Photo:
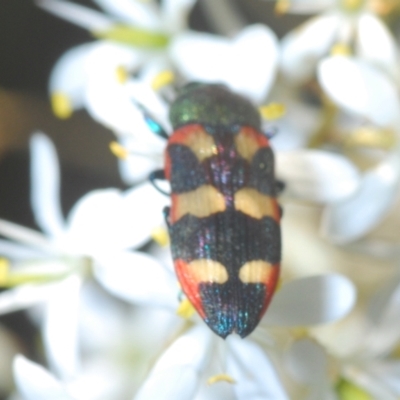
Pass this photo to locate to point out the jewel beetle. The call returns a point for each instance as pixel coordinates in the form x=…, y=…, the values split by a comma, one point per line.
x=224, y=219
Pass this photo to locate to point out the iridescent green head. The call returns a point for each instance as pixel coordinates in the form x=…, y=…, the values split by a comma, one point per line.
x=212, y=105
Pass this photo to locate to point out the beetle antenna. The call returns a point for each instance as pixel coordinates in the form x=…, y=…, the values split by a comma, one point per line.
x=152, y=123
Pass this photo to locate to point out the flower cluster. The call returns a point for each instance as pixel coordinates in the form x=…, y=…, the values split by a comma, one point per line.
x=100, y=284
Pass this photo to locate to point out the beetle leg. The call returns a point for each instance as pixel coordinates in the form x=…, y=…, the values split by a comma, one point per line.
x=166, y=211
x=155, y=176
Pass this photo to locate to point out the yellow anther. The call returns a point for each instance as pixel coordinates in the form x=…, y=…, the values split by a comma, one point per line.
x=119, y=151
x=299, y=333
x=121, y=74
x=349, y=391
x=4, y=271
x=185, y=309
x=220, y=378
x=160, y=236
x=272, y=111
x=341, y=49
x=162, y=79
x=282, y=7
x=61, y=105
x=372, y=138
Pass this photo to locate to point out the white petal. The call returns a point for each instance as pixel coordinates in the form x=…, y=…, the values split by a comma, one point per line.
x=310, y=6
x=296, y=126
x=369, y=381
x=142, y=92
x=138, y=278
x=354, y=217
x=108, y=220
x=36, y=383
x=255, y=375
x=145, y=156
x=103, y=378
x=175, y=14
x=176, y=374
x=109, y=101
x=25, y=235
x=307, y=362
x=376, y=44
x=178, y=382
x=138, y=13
x=385, y=330
x=145, y=205
x=60, y=329
x=360, y=88
x=312, y=300
x=137, y=168
x=45, y=186
x=17, y=252
x=221, y=390
x=25, y=296
x=68, y=77
x=387, y=373
x=303, y=47
x=246, y=63
x=82, y=16
x=317, y=175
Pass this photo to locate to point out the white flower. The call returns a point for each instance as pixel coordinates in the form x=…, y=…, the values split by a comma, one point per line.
x=94, y=75
x=53, y=265
x=246, y=63
x=97, y=77
x=364, y=366
x=344, y=23
x=351, y=218
x=132, y=34
x=358, y=87
x=364, y=90
x=369, y=94
x=191, y=360
x=239, y=368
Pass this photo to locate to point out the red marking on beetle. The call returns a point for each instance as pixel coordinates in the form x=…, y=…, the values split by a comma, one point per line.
x=189, y=285
x=261, y=139
x=271, y=284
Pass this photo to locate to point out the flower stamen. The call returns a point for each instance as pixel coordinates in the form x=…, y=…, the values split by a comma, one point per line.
x=162, y=79
x=282, y=7
x=341, y=49
x=160, y=236
x=185, y=309
x=4, y=271
x=61, y=105
x=119, y=151
x=371, y=138
x=272, y=111
x=220, y=378
x=122, y=74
